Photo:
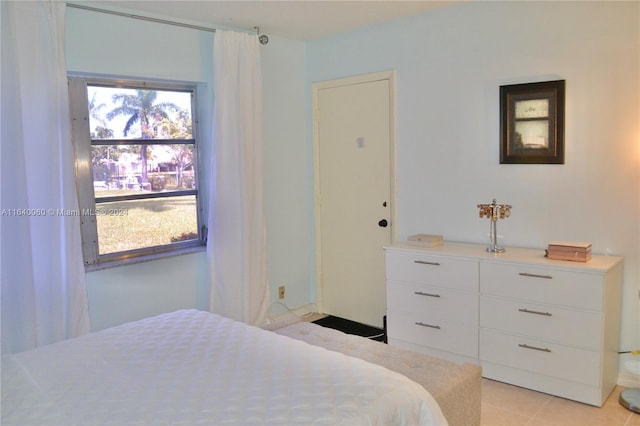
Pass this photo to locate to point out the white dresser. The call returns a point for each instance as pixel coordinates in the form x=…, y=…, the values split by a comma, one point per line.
x=543, y=324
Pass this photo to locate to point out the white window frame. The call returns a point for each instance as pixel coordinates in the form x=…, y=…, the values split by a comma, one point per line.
x=81, y=137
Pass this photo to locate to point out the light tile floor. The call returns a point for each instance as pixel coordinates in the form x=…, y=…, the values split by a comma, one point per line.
x=507, y=405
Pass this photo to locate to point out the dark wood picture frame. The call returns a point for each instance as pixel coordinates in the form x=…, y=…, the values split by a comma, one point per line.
x=532, y=123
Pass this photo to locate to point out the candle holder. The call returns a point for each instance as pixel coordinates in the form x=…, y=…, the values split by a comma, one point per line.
x=494, y=212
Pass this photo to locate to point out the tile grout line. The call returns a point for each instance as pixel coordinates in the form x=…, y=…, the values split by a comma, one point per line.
x=542, y=407
x=628, y=421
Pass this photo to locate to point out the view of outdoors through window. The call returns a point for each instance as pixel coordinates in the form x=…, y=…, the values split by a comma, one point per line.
x=142, y=156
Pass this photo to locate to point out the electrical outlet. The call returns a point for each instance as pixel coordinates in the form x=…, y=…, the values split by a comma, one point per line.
x=281, y=292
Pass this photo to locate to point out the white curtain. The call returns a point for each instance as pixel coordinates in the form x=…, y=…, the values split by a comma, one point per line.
x=43, y=292
x=236, y=239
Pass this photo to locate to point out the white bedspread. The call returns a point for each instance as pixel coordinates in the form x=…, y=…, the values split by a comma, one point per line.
x=193, y=367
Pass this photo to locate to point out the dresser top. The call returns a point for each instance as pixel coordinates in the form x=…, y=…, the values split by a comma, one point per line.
x=511, y=254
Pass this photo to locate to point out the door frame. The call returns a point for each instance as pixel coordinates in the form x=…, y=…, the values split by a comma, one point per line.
x=348, y=81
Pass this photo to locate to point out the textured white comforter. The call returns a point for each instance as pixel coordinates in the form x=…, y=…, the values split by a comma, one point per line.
x=193, y=367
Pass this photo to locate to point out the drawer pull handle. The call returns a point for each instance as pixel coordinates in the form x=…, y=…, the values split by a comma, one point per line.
x=524, y=345
x=424, y=262
x=528, y=311
x=526, y=274
x=420, y=293
x=427, y=325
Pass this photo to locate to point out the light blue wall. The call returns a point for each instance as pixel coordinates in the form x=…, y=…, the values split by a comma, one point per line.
x=288, y=174
x=105, y=44
x=450, y=63
x=132, y=292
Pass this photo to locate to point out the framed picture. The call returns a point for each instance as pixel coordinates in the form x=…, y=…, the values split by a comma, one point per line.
x=532, y=123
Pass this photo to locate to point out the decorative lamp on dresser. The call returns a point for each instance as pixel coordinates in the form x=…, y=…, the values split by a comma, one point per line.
x=548, y=325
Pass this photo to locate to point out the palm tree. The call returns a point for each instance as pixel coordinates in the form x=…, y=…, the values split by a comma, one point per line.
x=101, y=131
x=141, y=107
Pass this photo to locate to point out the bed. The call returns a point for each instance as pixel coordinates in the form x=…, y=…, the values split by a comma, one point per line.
x=194, y=367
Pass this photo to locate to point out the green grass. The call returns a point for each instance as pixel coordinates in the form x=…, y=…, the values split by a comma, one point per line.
x=127, y=225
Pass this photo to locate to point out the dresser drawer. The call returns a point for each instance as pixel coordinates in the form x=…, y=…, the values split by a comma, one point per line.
x=436, y=302
x=434, y=333
x=440, y=271
x=545, y=285
x=545, y=322
x=550, y=359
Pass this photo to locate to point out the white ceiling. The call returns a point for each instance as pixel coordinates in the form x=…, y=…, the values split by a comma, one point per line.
x=298, y=20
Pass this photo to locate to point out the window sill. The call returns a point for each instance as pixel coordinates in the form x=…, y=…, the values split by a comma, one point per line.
x=142, y=259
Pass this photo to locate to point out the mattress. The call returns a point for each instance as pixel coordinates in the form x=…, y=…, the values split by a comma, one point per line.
x=197, y=368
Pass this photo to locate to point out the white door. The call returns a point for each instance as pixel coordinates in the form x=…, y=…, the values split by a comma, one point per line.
x=354, y=205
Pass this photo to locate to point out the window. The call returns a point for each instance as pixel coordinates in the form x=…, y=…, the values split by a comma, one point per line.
x=136, y=167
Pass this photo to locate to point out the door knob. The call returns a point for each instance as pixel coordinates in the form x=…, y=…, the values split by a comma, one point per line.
x=383, y=223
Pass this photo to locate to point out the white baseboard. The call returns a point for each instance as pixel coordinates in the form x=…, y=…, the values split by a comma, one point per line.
x=280, y=311
x=305, y=309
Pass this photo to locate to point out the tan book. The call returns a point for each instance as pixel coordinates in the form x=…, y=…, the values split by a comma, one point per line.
x=576, y=256
x=570, y=246
x=425, y=240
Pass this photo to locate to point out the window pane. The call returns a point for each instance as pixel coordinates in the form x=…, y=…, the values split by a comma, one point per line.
x=128, y=225
x=118, y=113
x=125, y=169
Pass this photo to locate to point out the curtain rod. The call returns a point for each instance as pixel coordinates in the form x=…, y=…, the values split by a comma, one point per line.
x=263, y=38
